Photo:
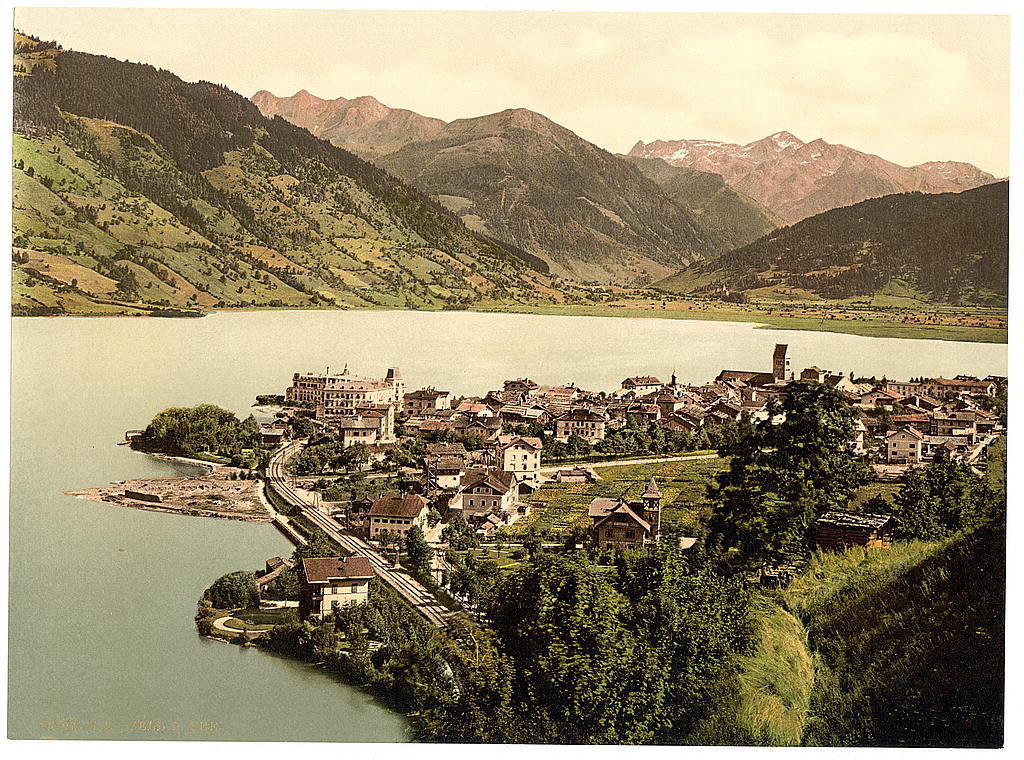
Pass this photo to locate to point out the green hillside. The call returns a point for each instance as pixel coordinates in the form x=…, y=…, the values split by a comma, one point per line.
x=949, y=248
x=135, y=191
x=730, y=217
x=525, y=179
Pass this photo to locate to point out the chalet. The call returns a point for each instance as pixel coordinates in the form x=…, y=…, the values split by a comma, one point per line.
x=621, y=524
x=397, y=513
x=844, y=384
x=920, y=422
x=904, y=446
x=273, y=433
x=417, y=402
x=642, y=385
x=487, y=428
x=839, y=530
x=476, y=409
x=560, y=393
x=587, y=424
x=519, y=455
x=329, y=581
x=483, y=491
x=521, y=414
x=678, y=422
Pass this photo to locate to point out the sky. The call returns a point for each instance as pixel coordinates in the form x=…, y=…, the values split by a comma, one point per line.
x=910, y=88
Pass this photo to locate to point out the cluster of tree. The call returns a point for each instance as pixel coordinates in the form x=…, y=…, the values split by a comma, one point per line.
x=326, y=454
x=640, y=439
x=626, y=658
x=188, y=431
x=233, y=591
x=781, y=478
x=941, y=499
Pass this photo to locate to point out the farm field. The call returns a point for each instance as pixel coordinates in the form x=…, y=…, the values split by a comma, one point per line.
x=560, y=508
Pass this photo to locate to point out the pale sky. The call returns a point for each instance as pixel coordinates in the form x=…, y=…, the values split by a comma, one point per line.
x=910, y=88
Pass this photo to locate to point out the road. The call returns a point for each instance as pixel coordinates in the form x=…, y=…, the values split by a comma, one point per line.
x=410, y=589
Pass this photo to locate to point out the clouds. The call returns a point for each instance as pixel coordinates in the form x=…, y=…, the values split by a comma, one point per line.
x=910, y=88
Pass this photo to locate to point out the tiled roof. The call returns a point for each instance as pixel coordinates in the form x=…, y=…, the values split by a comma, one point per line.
x=398, y=505
x=323, y=569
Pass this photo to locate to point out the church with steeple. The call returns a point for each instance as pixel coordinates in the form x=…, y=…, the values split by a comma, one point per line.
x=622, y=524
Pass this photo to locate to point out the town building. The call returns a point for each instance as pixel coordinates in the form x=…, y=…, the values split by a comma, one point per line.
x=642, y=385
x=621, y=524
x=418, y=402
x=520, y=455
x=273, y=569
x=838, y=530
x=904, y=446
x=341, y=395
x=485, y=491
x=329, y=581
x=397, y=513
x=585, y=423
x=369, y=425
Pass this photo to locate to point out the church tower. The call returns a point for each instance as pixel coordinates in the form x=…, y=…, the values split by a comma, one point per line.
x=780, y=364
x=652, y=508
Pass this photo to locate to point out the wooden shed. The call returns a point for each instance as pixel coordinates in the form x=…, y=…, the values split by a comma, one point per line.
x=839, y=530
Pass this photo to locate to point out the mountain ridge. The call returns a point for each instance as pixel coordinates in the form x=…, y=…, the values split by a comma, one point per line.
x=948, y=248
x=797, y=180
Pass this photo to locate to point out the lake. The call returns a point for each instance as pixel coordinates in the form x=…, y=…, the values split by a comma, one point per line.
x=102, y=597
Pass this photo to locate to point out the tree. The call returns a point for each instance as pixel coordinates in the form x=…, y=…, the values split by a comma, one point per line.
x=781, y=478
x=940, y=499
x=234, y=590
x=457, y=533
x=532, y=542
x=418, y=550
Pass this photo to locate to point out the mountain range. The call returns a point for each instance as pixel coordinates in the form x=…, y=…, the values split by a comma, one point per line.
x=520, y=177
x=134, y=189
x=950, y=248
x=797, y=180
x=363, y=125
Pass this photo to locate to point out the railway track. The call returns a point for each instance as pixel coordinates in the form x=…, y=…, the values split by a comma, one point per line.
x=411, y=590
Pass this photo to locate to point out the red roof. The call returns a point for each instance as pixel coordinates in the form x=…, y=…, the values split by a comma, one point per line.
x=398, y=505
x=323, y=569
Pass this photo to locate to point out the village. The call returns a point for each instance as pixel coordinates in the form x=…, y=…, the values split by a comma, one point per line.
x=479, y=459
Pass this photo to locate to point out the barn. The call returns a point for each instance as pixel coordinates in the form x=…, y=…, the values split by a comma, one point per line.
x=839, y=530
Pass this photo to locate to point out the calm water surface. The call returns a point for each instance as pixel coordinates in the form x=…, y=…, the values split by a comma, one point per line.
x=102, y=597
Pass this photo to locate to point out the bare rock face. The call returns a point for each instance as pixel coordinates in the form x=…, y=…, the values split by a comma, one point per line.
x=797, y=179
x=362, y=125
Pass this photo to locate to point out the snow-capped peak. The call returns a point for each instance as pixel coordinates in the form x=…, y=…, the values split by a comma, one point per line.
x=784, y=140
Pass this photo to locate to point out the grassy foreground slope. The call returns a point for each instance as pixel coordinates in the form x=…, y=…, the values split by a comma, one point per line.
x=913, y=654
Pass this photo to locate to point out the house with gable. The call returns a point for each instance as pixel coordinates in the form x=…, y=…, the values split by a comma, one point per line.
x=622, y=524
